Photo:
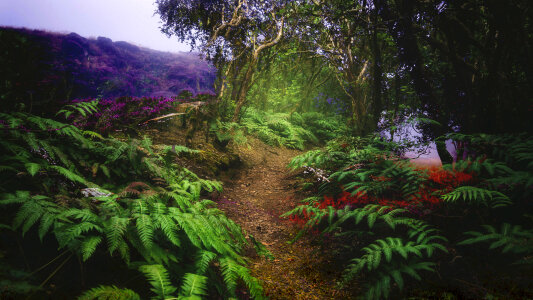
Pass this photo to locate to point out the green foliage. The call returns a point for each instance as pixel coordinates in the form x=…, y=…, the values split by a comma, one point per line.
x=151, y=209
x=322, y=126
x=232, y=271
x=497, y=178
x=505, y=161
x=511, y=238
x=337, y=153
x=407, y=255
x=503, y=164
x=260, y=248
x=15, y=282
x=83, y=108
x=381, y=287
x=109, y=292
x=478, y=195
x=225, y=132
x=292, y=131
x=194, y=286
x=159, y=279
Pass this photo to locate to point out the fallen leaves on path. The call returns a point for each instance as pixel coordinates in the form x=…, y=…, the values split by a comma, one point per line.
x=255, y=197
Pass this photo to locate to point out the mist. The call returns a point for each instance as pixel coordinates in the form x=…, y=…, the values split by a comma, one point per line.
x=132, y=21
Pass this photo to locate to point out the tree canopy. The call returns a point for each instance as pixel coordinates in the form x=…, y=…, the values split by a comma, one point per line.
x=465, y=65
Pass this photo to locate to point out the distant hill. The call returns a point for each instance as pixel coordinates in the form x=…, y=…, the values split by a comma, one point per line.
x=38, y=67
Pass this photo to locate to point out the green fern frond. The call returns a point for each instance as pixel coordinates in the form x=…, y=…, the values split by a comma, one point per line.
x=106, y=292
x=381, y=285
x=158, y=277
x=33, y=168
x=229, y=270
x=511, y=238
x=167, y=226
x=115, y=228
x=193, y=286
x=68, y=174
x=89, y=245
x=232, y=271
x=261, y=249
x=144, y=223
x=92, y=134
x=83, y=108
x=477, y=195
x=203, y=259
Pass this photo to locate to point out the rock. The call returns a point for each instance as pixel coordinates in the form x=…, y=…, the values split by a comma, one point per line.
x=94, y=192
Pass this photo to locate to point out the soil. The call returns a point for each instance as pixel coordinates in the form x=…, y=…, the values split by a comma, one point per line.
x=255, y=196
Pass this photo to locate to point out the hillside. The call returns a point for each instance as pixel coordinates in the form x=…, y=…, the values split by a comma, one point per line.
x=40, y=67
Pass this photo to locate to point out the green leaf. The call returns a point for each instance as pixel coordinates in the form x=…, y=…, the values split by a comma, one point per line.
x=193, y=285
x=89, y=245
x=32, y=168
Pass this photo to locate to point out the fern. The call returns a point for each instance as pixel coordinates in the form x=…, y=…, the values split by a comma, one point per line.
x=511, y=238
x=382, y=283
x=277, y=130
x=144, y=225
x=260, y=248
x=89, y=245
x=159, y=279
x=387, y=249
x=112, y=292
x=167, y=225
x=194, y=286
x=83, y=108
x=115, y=229
x=232, y=271
x=203, y=259
x=478, y=195
x=33, y=209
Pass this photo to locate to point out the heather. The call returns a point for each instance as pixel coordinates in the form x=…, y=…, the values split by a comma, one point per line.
x=43, y=69
x=120, y=112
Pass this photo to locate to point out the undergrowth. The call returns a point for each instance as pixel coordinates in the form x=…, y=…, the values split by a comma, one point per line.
x=102, y=197
x=291, y=130
x=368, y=195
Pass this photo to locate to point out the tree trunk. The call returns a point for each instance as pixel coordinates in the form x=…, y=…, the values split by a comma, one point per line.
x=377, y=106
x=245, y=85
x=445, y=156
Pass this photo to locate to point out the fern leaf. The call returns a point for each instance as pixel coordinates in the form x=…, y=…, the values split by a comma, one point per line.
x=68, y=174
x=203, y=258
x=115, y=229
x=33, y=168
x=193, y=285
x=105, y=292
x=89, y=245
x=47, y=220
x=145, y=228
x=159, y=279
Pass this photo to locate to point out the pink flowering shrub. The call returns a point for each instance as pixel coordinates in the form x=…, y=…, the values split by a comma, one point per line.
x=118, y=112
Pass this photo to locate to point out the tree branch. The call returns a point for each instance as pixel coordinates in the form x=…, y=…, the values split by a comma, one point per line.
x=272, y=42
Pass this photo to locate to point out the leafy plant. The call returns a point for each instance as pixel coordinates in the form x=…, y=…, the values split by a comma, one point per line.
x=511, y=238
x=163, y=224
x=109, y=292
x=371, y=191
x=276, y=129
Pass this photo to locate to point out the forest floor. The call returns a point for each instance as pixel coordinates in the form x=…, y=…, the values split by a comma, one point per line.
x=255, y=196
x=258, y=188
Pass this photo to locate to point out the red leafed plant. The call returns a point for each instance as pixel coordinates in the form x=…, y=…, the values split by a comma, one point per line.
x=432, y=183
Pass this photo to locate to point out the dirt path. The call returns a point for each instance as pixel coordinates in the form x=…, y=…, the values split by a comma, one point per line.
x=254, y=197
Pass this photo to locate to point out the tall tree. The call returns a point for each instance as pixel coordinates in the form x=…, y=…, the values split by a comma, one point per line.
x=469, y=62
x=233, y=34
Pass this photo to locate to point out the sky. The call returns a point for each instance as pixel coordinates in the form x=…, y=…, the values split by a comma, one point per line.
x=120, y=20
